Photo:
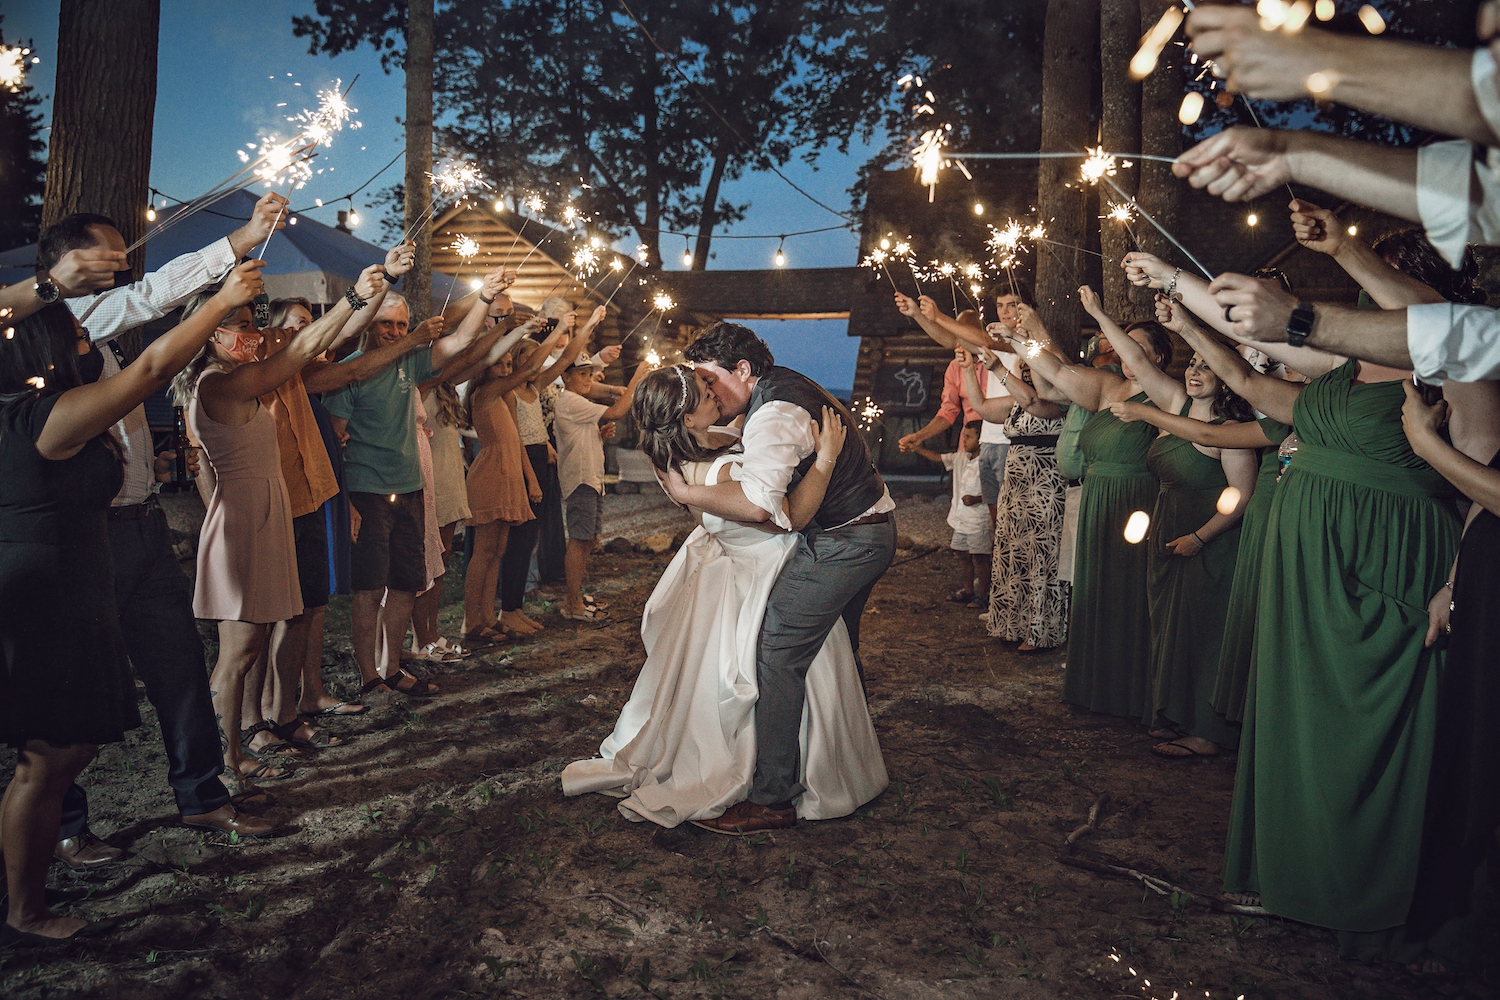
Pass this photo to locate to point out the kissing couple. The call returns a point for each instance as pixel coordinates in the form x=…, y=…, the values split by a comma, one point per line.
x=750, y=711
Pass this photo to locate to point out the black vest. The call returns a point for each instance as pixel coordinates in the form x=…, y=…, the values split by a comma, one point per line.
x=855, y=486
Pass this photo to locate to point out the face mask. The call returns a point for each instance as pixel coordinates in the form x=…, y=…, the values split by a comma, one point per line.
x=91, y=365
x=246, y=344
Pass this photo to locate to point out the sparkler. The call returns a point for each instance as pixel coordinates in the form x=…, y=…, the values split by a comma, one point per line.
x=869, y=414
x=653, y=359
x=535, y=205
x=466, y=249
x=642, y=254
x=331, y=117
x=13, y=62
x=454, y=180
x=876, y=258
x=661, y=304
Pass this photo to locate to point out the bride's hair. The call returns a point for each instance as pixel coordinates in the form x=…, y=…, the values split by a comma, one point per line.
x=661, y=401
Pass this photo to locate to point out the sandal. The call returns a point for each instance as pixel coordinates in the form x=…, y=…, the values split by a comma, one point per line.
x=961, y=596
x=374, y=686
x=245, y=794
x=321, y=739
x=485, y=635
x=270, y=772
x=342, y=708
x=593, y=603
x=280, y=746
x=587, y=615
x=417, y=689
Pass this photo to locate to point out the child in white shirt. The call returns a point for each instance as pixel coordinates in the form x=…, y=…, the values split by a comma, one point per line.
x=969, y=518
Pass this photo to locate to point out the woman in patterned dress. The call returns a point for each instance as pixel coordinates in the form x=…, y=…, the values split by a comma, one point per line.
x=1028, y=603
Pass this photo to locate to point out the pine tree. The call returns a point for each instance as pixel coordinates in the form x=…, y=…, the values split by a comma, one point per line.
x=23, y=164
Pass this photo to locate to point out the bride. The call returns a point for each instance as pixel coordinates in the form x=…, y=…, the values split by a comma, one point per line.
x=684, y=746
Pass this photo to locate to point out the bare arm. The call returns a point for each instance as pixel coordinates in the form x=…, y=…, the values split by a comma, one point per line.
x=807, y=497
x=83, y=413
x=77, y=272
x=1226, y=435
x=1421, y=85
x=446, y=349
x=1165, y=391
x=621, y=406
x=921, y=311
x=1274, y=397
x=1473, y=479
x=324, y=376
x=996, y=409
x=1323, y=232
x=1261, y=311
x=1240, y=468
x=1086, y=387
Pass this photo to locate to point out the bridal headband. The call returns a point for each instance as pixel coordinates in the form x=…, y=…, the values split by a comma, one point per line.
x=683, y=377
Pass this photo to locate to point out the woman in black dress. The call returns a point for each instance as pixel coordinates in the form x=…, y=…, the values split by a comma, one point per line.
x=65, y=685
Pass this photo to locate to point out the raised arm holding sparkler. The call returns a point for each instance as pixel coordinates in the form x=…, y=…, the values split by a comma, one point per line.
x=1136, y=358
x=76, y=273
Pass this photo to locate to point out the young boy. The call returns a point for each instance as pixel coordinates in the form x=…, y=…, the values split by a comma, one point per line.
x=580, y=470
x=969, y=518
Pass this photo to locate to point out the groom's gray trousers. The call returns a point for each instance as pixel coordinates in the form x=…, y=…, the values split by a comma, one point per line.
x=829, y=577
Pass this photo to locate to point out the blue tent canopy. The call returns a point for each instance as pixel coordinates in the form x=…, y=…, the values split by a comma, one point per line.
x=307, y=258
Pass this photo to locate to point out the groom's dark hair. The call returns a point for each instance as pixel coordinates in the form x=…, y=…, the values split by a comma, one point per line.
x=727, y=344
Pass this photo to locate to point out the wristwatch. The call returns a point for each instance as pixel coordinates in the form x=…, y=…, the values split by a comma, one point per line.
x=47, y=290
x=1300, y=324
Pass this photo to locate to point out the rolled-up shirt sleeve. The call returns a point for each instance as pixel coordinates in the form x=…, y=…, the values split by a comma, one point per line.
x=1458, y=182
x=777, y=437
x=1448, y=340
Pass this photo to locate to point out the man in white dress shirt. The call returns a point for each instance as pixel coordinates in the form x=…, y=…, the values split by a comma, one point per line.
x=839, y=557
x=152, y=593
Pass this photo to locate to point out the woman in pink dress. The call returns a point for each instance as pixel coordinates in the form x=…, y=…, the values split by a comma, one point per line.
x=247, y=564
x=502, y=484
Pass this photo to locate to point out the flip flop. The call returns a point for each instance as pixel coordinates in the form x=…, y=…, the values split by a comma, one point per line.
x=280, y=746
x=322, y=739
x=418, y=689
x=263, y=773
x=1161, y=751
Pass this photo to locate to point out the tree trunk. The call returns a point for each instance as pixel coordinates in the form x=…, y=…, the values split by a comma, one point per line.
x=99, y=155
x=709, y=217
x=1161, y=135
x=1119, y=132
x=650, y=232
x=417, y=285
x=1068, y=49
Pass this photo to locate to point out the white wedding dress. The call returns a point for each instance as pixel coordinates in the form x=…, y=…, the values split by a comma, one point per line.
x=684, y=746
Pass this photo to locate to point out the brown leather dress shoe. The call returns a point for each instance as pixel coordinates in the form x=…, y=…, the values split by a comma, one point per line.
x=747, y=817
x=226, y=819
x=86, y=851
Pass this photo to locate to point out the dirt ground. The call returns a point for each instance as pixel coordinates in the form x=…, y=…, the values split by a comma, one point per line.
x=435, y=855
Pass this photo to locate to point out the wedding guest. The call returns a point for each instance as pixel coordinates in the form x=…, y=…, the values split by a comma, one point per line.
x=520, y=548
x=1028, y=603
x=1194, y=544
x=972, y=536
x=247, y=562
x=581, y=425
x=65, y=683
x=446, y=420
x=1109, y=626
x=154, y=599
x=385, y=482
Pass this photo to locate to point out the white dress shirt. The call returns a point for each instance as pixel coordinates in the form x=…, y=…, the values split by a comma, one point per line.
x=777, y=437
x=115, y=312
x=1448, y=340
x=1458, y=182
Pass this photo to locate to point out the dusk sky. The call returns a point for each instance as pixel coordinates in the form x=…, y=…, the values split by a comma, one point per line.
x=222, y=74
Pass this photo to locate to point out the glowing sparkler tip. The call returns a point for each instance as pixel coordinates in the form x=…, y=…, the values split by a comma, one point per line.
x=1099, y=164
x=663, y=302
x=13, y=67
x=642, y=253
x=652, y=358
x=535, y=204
x=869, y=413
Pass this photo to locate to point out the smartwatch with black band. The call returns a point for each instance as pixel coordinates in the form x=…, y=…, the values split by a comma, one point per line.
x=1300, y=325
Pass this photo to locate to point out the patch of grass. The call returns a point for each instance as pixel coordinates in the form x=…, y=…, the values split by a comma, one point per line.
x=1001, y=793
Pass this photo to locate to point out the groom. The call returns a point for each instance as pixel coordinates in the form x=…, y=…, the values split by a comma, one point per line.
x=841, y=554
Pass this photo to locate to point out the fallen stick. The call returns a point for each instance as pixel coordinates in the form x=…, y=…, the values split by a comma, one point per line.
x=1093, y=820
x=612, y=898
x=1159, y=886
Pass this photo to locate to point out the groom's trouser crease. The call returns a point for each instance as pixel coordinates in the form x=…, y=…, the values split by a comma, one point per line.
x=829, y=577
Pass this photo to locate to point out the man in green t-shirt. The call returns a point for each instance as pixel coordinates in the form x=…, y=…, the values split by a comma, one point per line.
x=383, y=474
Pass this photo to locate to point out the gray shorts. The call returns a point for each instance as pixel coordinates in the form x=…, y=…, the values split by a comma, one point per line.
x=583, y=514
x=992, y=471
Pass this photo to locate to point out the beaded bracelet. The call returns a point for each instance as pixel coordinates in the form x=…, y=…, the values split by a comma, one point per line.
x=355, y=302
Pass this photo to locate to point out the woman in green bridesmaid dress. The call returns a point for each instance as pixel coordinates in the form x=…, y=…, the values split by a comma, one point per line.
x=1192, y=544
x=1109, y=628
x=1265, y=393
x=1339, y=715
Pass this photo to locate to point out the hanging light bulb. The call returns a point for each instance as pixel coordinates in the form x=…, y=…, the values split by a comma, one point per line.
x=687, y=253
x=978, y=208
x=150, y=212
x=1353, y=230
x=1252, y=219
x=353, y=219
x=780, y=257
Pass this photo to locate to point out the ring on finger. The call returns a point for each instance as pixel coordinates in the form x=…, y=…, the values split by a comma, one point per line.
x=1228, y=318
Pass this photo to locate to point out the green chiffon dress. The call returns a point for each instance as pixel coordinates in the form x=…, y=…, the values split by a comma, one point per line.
x=1239, y=627
x=1340, y=713
x=1189, y=596
x=1109, y=627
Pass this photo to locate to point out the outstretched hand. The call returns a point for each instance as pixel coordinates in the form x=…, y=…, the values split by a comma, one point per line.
x=1146, y=270
x=243, y=284
x=79, y=272
x=1238, y=164
x=1316, y=228
x=400, y=258
x=1089, y=299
